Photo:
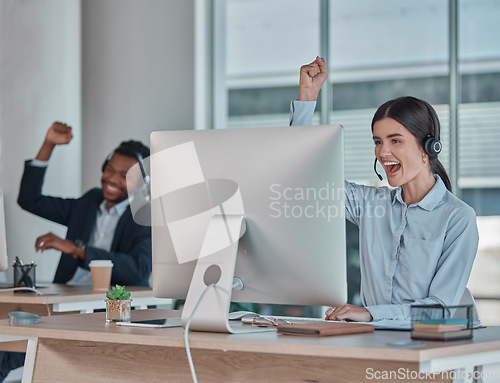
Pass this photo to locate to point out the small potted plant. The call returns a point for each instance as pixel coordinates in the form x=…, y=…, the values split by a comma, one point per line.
x=118, y=305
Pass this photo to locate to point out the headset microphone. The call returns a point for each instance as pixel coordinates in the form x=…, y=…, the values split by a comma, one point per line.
x=375, y=169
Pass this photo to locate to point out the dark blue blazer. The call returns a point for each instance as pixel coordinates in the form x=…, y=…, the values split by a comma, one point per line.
x=131, y=246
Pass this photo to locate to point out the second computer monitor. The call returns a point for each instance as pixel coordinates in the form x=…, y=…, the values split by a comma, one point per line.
x=288, y=182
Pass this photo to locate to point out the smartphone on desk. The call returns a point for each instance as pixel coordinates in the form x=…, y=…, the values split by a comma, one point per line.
x=163, y=322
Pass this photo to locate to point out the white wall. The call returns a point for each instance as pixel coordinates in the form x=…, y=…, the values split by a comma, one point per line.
x=138, y=74
x=39, y=83
x=113, y=69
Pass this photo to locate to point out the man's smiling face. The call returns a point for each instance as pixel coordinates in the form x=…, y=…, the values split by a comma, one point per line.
x=114, y=178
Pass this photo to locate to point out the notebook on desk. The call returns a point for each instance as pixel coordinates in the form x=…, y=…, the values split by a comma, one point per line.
x=324, y=328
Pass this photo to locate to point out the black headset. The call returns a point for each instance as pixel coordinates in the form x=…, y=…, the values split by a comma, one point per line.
x=432, y=145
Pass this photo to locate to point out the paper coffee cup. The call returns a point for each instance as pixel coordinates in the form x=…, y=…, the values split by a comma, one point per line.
x=100, y=271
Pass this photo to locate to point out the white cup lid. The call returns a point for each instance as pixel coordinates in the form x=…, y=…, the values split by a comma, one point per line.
x=101, y=263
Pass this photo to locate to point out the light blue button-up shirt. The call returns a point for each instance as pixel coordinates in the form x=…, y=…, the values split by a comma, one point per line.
x=417, y=254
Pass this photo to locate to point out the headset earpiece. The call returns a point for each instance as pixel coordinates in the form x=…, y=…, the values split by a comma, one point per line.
x=432, y=145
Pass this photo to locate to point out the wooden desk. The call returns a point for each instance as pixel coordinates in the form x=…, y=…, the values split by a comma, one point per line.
x=85, y=348
x=63, y=299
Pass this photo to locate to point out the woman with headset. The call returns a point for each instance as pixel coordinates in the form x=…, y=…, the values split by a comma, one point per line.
x=417, y=241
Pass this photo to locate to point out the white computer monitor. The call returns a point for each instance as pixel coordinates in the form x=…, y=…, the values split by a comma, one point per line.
x=287, y=183
x=4, y=262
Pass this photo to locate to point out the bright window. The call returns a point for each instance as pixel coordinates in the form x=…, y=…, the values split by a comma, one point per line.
x=377, y=51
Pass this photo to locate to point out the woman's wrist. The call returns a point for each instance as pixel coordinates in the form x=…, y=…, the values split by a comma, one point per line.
x=308, y=95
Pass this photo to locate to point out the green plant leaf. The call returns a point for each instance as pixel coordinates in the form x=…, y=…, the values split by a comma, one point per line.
x=118, y=292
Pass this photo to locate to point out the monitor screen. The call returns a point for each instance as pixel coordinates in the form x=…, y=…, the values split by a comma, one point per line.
x=288, y=182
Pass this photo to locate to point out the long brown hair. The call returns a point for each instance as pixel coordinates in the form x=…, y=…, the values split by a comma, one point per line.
x=415, y=115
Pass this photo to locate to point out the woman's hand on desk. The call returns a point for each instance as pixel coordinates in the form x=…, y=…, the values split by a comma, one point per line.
x=348, y=313
x=52, y=241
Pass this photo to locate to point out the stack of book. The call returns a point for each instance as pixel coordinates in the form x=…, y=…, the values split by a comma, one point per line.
x=441, y=329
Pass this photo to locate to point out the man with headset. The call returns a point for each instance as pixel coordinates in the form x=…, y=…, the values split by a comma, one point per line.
x=100, y=223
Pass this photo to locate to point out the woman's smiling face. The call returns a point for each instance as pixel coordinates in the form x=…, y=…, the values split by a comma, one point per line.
x=399, y=152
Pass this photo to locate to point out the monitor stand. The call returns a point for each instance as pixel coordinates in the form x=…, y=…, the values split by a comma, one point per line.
x=224, y=232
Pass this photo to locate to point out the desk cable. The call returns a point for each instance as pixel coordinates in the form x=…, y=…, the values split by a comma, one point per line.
x=186, y=332
x=37, y=292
